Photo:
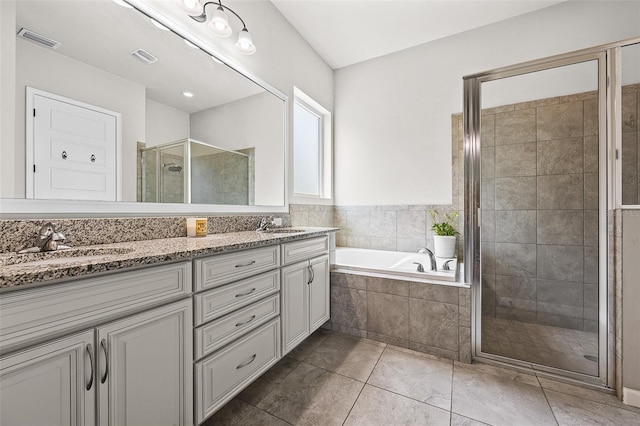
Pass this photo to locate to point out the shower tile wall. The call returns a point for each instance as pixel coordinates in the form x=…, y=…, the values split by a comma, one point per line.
x=171, y=183
x=631, y=144
x=539, y=212
x=220, y=179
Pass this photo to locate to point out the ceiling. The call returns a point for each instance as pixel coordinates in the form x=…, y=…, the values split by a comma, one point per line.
x=345, y=32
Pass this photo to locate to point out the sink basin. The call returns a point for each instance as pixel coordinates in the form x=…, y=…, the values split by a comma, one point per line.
x=61, y=256
x=281, y=231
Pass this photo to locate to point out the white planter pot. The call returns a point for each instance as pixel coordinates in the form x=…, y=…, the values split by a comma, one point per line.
x=445, y=246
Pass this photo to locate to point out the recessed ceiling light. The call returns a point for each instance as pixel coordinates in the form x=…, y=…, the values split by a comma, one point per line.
x=123, y=4
x=188, y=94
x=158, y=25
x=188, y=43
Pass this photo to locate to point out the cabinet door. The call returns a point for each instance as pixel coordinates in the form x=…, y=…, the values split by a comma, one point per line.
x=145, y=368
x=319, y=311
x=295, y=305
x=50, y=384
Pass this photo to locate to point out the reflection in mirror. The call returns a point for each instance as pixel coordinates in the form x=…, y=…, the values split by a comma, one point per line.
x=630, y=159
x=112, y=58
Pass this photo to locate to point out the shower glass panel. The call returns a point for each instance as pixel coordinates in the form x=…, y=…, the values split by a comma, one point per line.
x=630, y=59
x=539, y=217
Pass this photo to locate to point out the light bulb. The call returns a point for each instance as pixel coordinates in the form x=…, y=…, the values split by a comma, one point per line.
x=245, y=43
x=220, y=23
x=192, y=7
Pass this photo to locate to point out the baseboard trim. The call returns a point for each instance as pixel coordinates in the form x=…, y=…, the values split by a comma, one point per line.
x=631, y=397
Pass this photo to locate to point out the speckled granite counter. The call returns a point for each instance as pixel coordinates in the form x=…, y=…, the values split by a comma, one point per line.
x=49, y=267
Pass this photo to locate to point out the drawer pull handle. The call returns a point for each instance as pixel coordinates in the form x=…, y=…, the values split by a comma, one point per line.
x=246, y=322
x=247, y=293
x=90, y=353
x=103, y=343
x=244, y=364
x=242, y=265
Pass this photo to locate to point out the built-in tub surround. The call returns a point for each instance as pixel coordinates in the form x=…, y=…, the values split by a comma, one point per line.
x=91, y=231
x=426, y=317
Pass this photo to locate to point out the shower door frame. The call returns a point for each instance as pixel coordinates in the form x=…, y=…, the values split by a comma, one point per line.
x=608, y=64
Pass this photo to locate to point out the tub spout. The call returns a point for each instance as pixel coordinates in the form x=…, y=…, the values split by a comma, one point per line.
x=429, y=253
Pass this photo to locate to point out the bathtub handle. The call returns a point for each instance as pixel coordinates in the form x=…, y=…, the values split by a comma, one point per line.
x=420, y=267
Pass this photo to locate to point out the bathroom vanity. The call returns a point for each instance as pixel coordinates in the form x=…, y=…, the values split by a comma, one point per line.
x=167, y=341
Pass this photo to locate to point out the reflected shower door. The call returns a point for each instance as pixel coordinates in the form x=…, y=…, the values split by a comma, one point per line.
x=542, y=210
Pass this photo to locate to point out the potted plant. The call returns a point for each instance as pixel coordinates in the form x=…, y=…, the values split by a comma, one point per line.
x=444, y=240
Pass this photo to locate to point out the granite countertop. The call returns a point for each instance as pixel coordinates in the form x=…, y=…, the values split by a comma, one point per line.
x=36, y=268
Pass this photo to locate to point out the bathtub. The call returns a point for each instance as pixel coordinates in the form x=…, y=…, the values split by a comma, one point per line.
x=393, y=264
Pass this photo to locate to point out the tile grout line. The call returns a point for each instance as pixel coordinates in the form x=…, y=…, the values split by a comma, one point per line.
x=363, y=386
x=547, y=399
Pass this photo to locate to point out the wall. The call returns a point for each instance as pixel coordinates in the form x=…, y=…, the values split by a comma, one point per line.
x=631, y=298
x=164, y=124
x=243, y=124
x=539, y=197
x=631, y=143
x=8, y=185
x=405, y=99
x=76, y=80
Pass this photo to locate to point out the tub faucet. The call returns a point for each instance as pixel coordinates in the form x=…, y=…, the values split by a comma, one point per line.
x=429, y=253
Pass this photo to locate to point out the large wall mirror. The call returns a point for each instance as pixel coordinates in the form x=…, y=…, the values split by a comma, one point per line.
x=127, y=110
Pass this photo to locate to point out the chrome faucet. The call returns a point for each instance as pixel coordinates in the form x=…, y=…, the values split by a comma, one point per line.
x=265, y=223
x=48, y=239
x=429, y=253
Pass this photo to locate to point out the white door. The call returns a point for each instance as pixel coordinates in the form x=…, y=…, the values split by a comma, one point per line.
x=145, y=368
x=74, y=149
x=319, y=293
x=50, y=384
x=295, y=305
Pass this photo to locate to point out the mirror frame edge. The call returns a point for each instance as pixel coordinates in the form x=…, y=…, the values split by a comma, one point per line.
x=29, y=208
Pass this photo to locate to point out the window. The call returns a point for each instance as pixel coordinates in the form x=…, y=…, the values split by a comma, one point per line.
x=311, y=148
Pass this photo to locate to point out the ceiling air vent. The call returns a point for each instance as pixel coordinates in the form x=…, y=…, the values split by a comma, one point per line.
x=144, y=56
x=39, y=38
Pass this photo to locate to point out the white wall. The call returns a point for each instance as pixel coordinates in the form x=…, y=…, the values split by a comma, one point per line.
x=393, y=114
x=7, y=102
x=253, y=122
x=76, y=80
x=164, y=124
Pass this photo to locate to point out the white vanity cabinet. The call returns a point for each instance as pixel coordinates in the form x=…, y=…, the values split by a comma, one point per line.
x=111, y=366
x=237, y=318
x=305, y=290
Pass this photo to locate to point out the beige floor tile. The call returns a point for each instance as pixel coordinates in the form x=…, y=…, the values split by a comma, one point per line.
x=269, y=380
x=418, y=378
x=350, y=357
x=230, y=415
x=497, y=400
x=379, y=407
x=589, y=394
x=312, y=396
x=505, y=373
x=570, y=410
x=309, y=345
x=458, y=420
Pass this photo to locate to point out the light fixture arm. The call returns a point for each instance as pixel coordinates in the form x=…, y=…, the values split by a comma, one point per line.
x=203, y=16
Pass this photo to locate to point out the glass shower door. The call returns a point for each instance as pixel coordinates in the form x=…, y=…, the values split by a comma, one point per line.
x=542, y=215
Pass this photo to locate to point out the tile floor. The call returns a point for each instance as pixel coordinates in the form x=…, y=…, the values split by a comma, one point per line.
x=335, y=379
x=541, y=344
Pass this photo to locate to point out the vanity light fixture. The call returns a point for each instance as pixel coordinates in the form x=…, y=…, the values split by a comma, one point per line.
x=219, y=22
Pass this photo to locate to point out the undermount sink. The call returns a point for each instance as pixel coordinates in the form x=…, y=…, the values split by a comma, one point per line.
x=281, y=231
x=61, y=256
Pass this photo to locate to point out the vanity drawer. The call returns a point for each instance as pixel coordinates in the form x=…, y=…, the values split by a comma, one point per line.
x=305, y=249
x=215, y=271
x=216, y=334
x=44, y=312
x=219, y=301
x=222, y=375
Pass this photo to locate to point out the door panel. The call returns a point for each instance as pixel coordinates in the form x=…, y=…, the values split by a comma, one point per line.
x=54, y=377
x=295, y=305
x=319, y=311
x=74, y=151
